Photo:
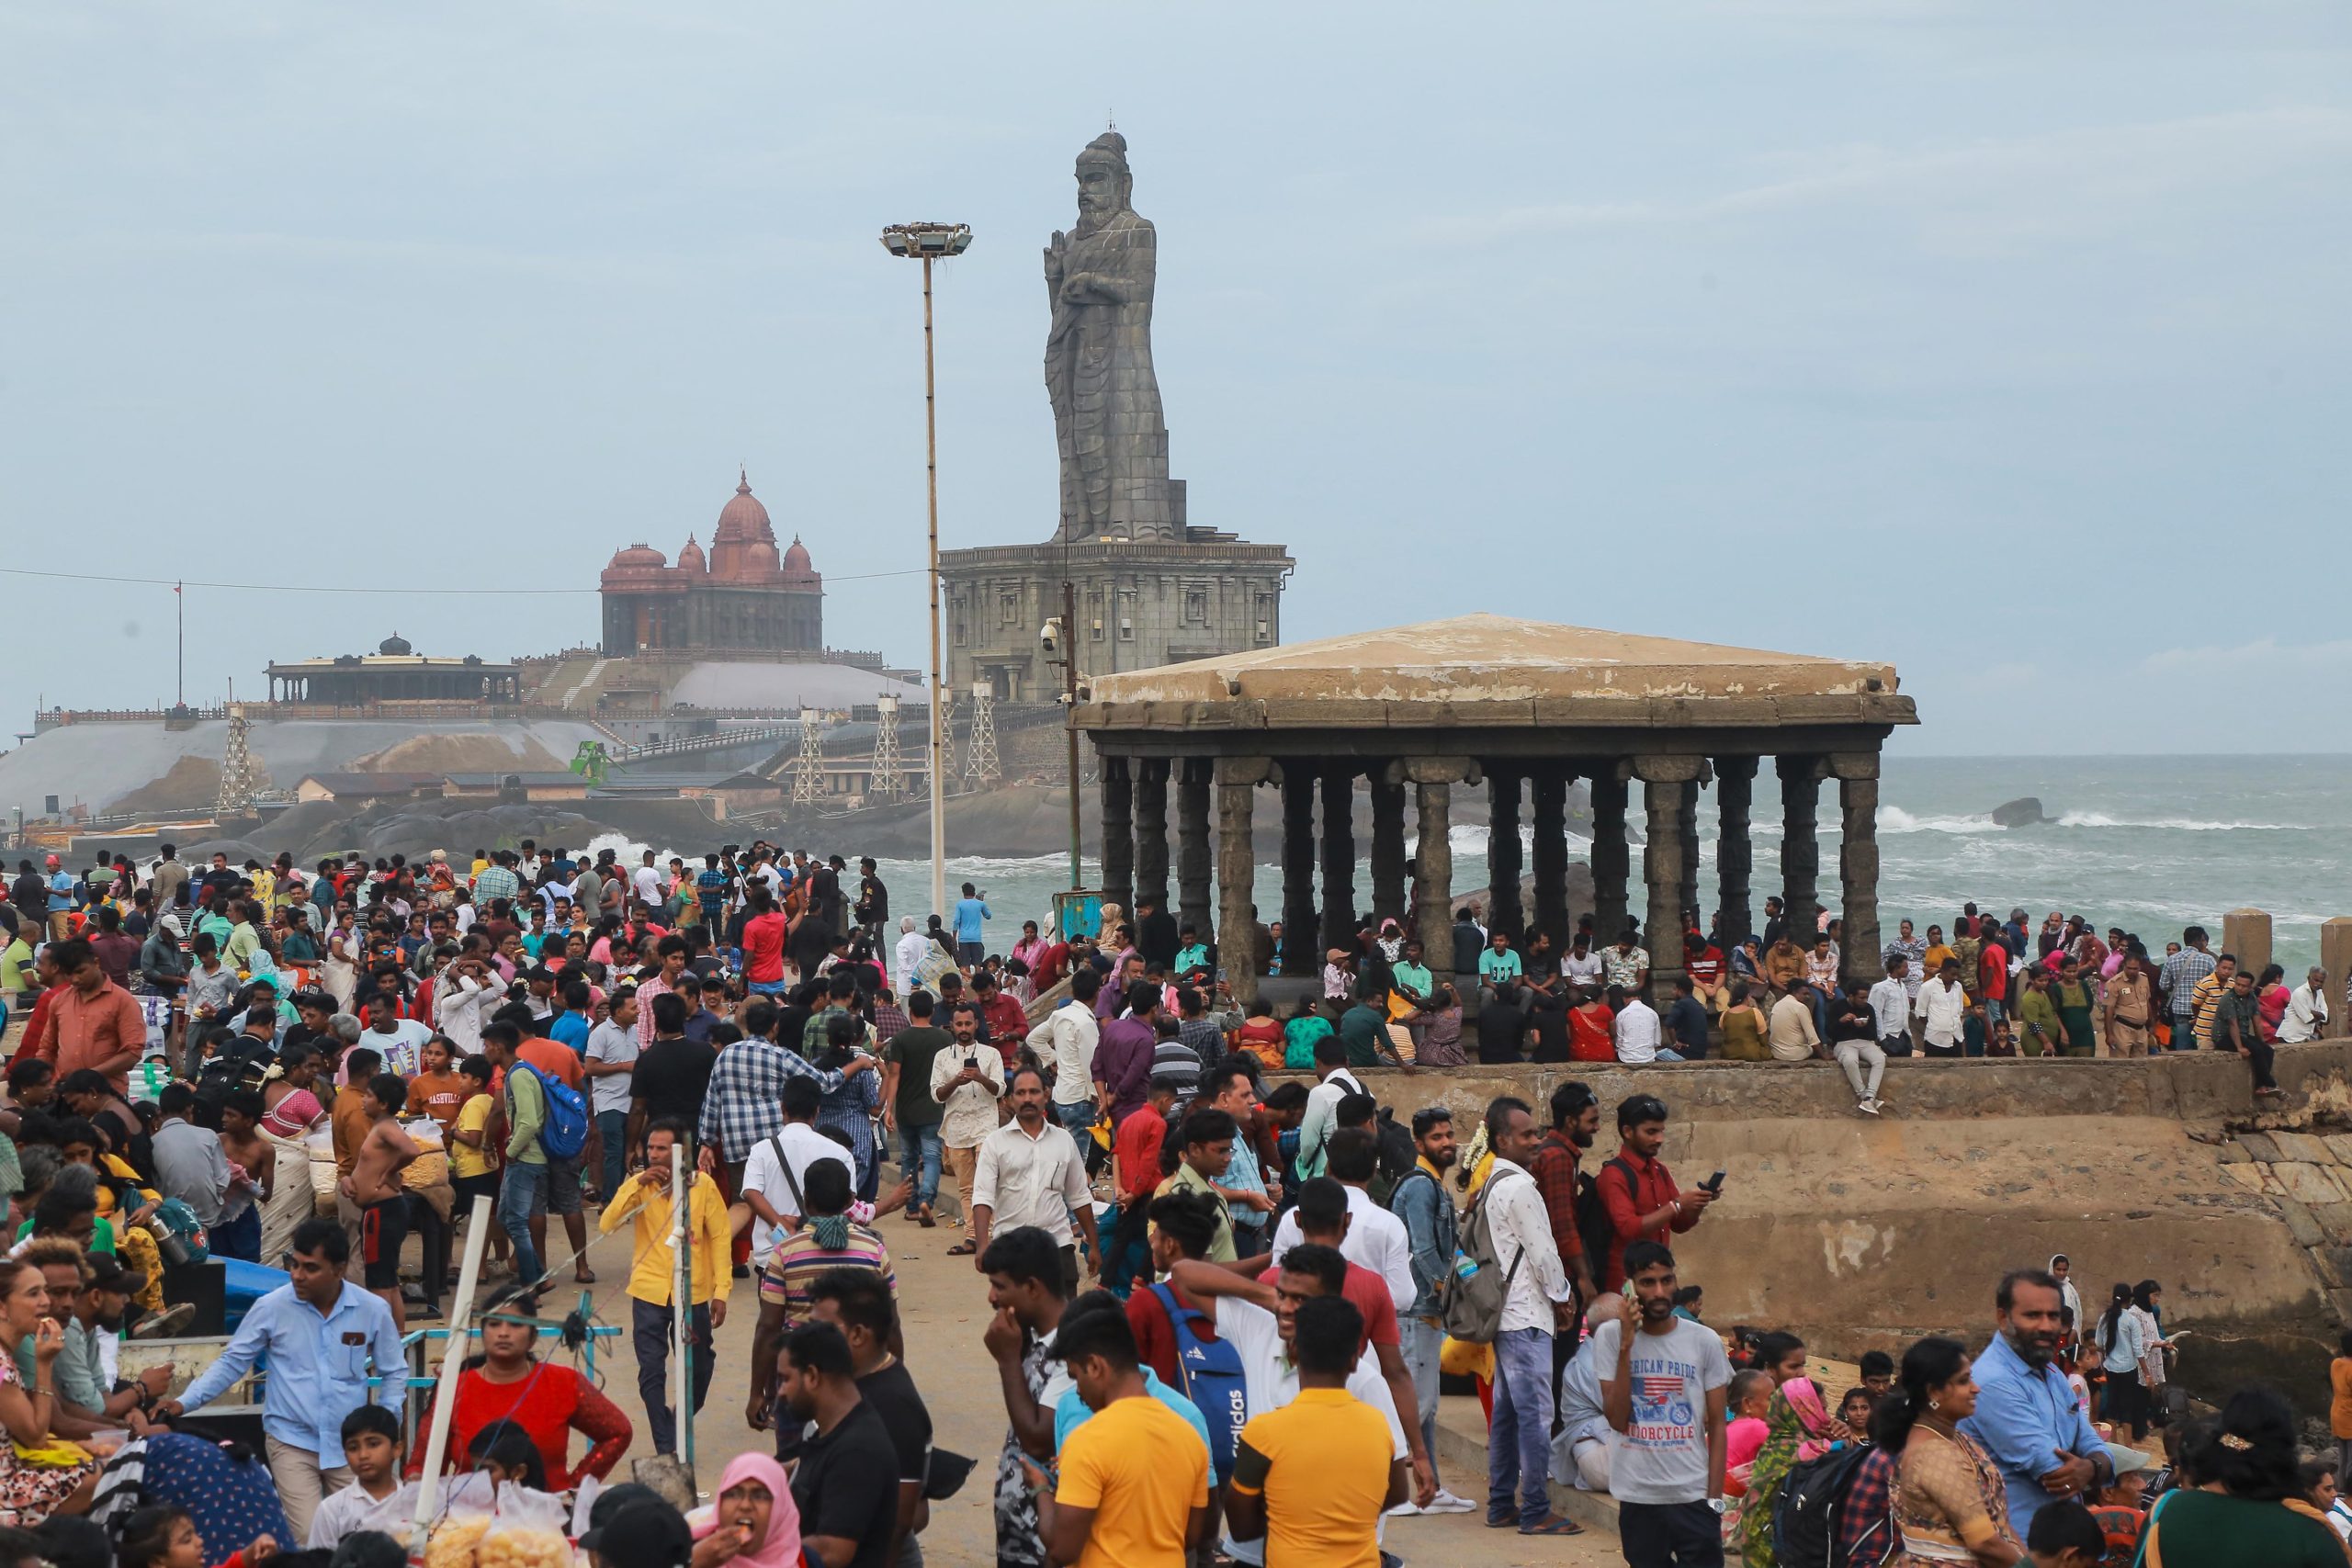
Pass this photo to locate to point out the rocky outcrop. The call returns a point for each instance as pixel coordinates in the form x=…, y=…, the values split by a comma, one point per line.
x=2024, y=812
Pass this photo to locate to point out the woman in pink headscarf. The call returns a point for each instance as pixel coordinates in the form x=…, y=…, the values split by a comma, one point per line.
x=755, y=1514
x=1801, y=1431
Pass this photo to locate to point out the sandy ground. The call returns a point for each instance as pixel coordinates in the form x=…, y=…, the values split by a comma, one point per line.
x=945, y=1303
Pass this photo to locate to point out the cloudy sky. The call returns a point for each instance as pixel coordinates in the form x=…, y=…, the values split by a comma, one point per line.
x=2006, y=342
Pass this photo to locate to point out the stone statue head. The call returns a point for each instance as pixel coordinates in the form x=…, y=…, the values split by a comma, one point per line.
x=1105, y=185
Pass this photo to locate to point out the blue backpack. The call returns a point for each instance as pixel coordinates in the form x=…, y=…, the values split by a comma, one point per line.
x=565, y=1131
x=1208, y=1372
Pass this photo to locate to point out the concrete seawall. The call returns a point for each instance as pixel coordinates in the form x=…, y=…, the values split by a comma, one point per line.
x=1864, y=1234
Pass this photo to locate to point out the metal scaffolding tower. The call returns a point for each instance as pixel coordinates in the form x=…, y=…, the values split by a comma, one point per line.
x=238, y=782
x=808, y=772
x=980, y=761
x=889, y=780
x=946, y=746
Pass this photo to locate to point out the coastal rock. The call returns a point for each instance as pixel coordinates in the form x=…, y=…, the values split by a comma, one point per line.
x=2025, y=812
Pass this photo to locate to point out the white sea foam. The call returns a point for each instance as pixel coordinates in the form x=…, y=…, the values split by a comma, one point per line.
x=1894, y=819
x=2170, y=824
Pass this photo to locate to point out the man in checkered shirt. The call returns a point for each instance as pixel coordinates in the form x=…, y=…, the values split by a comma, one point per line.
x=2177, y=979
x=744, y=1106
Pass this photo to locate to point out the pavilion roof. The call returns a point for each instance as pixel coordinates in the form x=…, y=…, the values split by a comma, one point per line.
x=1486, y=669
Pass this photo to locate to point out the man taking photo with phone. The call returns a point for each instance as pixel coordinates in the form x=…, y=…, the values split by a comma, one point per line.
x=1637, y=1189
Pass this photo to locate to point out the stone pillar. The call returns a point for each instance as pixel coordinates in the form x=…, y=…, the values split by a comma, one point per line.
x=2246, y=932
x=1388, y=846
x=1667, y=785
x=1800, y=846
x=1505, y=913
x=1118, y=836
x=1860, y=956
x=1433, y=779
x=1686, y=827
x=1735, y=854
x=2336, y=956
x=1236, y=864
x=1611, y=862
x=1338, y=781
x=1300, y=956
x=1552, y=855
x=1193, y=907
x=1151, y=829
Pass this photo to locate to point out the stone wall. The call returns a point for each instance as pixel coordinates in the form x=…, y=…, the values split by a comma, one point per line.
x=1864, y=1234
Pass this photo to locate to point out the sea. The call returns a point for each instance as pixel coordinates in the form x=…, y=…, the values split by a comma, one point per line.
x=2150, y=843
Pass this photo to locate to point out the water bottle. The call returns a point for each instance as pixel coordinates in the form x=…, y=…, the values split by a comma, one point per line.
x=1465, y=1265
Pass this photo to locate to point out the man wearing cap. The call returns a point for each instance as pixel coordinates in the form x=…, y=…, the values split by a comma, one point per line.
x=93, y=1289
x=60, y=886
x=630, y=1526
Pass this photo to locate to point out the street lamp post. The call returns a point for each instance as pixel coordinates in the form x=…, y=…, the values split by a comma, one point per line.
x=929, y=242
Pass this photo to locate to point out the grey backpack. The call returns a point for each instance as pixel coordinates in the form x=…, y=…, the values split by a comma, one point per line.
x=1472, y=1303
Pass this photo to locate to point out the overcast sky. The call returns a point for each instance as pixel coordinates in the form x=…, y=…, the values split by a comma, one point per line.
x=2005, y=341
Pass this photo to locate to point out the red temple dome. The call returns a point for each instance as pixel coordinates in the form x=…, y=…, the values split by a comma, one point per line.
x=639, y=556
x=743, y=519
x=796, y=560
x=691, y=557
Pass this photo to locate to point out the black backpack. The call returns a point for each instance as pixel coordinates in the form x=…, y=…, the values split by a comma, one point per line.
x=239, y=1063
x=1593, y=1229
x=1804, y=1516
x=1397, y=1155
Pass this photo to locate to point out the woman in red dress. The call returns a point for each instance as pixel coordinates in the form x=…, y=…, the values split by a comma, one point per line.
x=548, y=1400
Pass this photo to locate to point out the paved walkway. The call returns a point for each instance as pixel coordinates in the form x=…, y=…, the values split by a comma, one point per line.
x=945, y=1305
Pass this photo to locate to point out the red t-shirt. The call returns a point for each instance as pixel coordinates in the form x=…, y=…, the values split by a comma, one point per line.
x=1993, y=972
x=1705, y=965
x=1156, y=1336
x=1136, y=1146
x=1008, y=1026
x=1369, y=1292
x=1046, y=973
x=763, y=947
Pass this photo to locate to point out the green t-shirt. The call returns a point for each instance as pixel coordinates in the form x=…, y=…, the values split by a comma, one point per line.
x=913, y=1049
x=1187, y=1180
x=2194, y=1528
x=1363, y=1028
x=1503, y=966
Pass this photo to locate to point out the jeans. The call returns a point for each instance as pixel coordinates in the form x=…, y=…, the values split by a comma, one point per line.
x=1075, y=1118
x=1670, y=1535
x=1992, y=1012
x=920, y=1161
x=612, y=1126
x=1518, y=1440
x=1421, y=1340
x=521, y=1195
x=2183, y=1037
x=649, y=1330
x=1853, y=1056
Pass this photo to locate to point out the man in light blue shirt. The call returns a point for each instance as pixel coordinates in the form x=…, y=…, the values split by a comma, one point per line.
x=970, y=910
x=323, y=1335
x=2025, y=1416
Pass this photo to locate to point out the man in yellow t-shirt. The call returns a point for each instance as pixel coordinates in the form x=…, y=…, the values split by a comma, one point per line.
x=1312, y=1479
x=1134, y=1490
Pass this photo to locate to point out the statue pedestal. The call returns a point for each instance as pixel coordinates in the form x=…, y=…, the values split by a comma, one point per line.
x=1141, y=604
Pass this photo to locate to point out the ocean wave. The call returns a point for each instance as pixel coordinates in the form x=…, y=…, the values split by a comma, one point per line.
x=2171, y=824
x=1894, y=819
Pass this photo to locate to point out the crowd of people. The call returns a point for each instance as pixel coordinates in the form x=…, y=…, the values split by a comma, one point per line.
x=1222, y=1305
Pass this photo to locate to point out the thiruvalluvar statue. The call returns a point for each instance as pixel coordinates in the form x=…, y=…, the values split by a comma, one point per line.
x=1108, y=423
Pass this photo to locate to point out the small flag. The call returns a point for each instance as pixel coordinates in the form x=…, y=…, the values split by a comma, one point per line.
x=1658, y=1391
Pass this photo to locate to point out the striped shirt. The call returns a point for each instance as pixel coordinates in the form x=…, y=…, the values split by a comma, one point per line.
x=1171, y=1059
x=792, y=1271
x=2204, y=1002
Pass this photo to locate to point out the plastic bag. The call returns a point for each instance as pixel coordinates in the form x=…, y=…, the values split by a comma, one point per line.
x=526, y=1531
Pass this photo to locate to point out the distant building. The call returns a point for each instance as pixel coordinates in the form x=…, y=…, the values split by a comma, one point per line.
x=395, y=672
x=362, y=788
x=740, y=598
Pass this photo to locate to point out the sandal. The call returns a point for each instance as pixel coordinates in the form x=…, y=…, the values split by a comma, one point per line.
x=925, y=1218
x=962, y=1249
x=1553, y=1527
x=585, y=1277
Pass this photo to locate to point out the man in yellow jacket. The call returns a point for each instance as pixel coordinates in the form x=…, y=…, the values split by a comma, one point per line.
x=653, y=1273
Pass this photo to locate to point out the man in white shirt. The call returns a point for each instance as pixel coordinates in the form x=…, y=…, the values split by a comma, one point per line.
x=1536, y=1304
x=1376, y=1239
x=1943, y=1011
x=463, y=1000
x=1581, y=965
x=1791, y=1035
x=646, y=883
x=967, y=1079
x=1663, y=1382
x=1029, y=1173
x=2306, y=1016
x=777, y=1170
x=1636, y=1030
x=1891, y=1005
x=912, y=945
x=400, y=1041
x=1248, y=1316
x=1066, y=1038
